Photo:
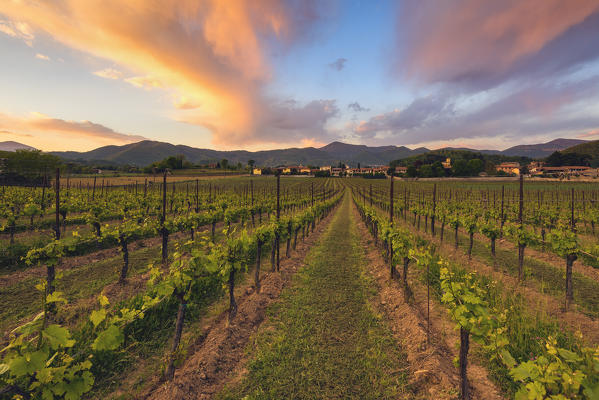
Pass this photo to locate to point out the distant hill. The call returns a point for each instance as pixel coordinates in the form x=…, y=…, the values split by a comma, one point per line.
x=14, y=146
x=471, y=150
x=369, y=155
x=496, y=157
x=542, y=150
x=590, y=148
x=145, y=152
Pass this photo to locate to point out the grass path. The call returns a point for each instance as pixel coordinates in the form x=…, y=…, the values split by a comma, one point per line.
x=323, y=339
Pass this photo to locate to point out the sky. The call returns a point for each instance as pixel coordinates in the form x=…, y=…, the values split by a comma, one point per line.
x=265, y=74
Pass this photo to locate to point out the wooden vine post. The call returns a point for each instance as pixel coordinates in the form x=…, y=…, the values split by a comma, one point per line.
x=51, y=267
x=252, y=201
x=572, y=220
x=464, y=348
x=521, y=245
x=197, y=196
x=57, y=192
x=434, y=209
x=163, y=222
x=570, y=258
x=278, y=236
x=502, y=219
x=391, y=267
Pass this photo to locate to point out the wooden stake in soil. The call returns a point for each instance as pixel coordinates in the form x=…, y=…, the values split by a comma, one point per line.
x=464, y=347
x=278, y=238
x=57, y=191
x=390, y=244
x=572, y=222
x=570, y=258
x=502, y=203
x=170, y=370
x=50, y=269
x=434, y=208
x=521, y=246
x=257, y=271
x=428, y=305
x=163, y=222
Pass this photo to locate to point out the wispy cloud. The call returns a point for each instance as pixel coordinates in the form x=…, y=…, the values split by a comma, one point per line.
x=18, y=29
x=591, y=134
x=338, y=64
x=146, y=82
x=356, y=107
x=542, y=112
x=42, y=57
x=415, y=115
x=109, y=73
x=53, y=133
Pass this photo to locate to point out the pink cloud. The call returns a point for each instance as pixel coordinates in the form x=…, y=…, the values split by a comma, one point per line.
x=468, y=40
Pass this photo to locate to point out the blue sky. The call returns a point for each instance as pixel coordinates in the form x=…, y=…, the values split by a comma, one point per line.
x=79, y=74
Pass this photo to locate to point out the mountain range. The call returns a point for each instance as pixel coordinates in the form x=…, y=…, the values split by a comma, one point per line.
x=146, y=152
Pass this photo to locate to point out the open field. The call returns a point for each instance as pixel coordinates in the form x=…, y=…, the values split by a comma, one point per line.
x=124, y=179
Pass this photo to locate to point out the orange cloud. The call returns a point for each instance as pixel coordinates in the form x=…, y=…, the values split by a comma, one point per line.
x=212, y=52
x=42, y=57
x=18, y=29
x=49, y=133
x=594, y=132
x=109, y=73
x=146, y=82
x=312, y=142
x=184, y=103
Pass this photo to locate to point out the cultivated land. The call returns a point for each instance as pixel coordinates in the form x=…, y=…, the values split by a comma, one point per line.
x=364, y=289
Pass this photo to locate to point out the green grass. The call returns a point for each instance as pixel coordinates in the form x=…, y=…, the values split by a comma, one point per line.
x=323, y=340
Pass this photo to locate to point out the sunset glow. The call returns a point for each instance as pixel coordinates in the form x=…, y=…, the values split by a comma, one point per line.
x=79, y=74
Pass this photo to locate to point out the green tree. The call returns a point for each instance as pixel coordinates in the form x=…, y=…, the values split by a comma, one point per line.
x=412, y=172
x=475, y=166
x=438, y=169
x=460, y=168
x=28, y=165
x=426, y=171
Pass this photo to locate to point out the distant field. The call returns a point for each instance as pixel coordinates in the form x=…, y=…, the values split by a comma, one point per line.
x=110, y=179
